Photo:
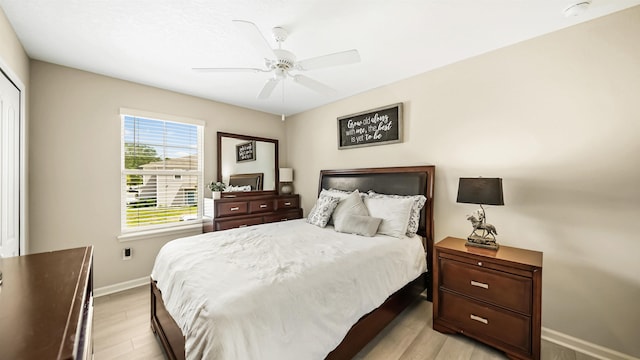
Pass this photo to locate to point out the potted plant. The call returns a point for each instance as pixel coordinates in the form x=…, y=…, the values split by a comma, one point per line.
x=217, y=187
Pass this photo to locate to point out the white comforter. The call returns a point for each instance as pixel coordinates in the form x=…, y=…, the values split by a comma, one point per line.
x=287, y=290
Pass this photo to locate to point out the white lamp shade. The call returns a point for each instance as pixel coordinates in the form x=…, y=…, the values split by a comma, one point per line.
x=286, y=175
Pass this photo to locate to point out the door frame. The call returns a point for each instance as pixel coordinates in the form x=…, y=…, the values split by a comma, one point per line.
x=22, y=187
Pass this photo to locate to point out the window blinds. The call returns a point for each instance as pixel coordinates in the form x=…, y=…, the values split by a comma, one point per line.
x=161, y=173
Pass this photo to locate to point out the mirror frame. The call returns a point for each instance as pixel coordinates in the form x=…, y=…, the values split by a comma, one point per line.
x=249, y=138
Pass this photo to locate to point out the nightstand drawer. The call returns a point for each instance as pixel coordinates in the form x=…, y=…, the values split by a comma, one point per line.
x=238, y=223
x=260, y=205
x=231, y=208
x=509, y=328
x=500, y=288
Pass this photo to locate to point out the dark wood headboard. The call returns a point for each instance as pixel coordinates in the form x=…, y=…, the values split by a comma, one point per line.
x=407, y=180
x=254, y=180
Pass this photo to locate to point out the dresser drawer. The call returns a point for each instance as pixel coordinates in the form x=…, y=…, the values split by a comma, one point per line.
x=237, y=210
x=479, y=320
x=283, y=216
x=260, y=205
x=287, y=203
x=231, y=208
x=500, y=288
x=238, y=223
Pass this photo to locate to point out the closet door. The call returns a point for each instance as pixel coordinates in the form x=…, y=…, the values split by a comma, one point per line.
x=9, y=167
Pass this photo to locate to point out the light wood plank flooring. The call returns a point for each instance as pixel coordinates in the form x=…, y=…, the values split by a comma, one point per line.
x=122, y=331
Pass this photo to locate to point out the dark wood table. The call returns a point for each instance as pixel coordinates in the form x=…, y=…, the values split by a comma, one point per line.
x=46, y=305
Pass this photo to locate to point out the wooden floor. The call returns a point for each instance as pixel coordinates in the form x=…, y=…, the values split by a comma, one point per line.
x=122, y=331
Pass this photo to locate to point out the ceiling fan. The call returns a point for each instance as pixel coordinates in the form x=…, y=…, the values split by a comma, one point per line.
x=283, y=64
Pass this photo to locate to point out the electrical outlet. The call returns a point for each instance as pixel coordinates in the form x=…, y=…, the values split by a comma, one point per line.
x=126, y=254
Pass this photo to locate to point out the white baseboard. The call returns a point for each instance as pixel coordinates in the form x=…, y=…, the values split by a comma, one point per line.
x=584, y=347
x=106, y=290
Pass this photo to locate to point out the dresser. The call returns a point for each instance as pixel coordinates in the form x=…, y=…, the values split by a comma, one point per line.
x=232, y=212
x=493, y=296
x=46, y=305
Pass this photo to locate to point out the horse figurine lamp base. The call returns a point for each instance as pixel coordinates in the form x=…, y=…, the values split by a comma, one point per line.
x=483, y=234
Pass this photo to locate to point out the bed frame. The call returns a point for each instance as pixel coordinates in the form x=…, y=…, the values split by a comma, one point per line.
x=410, y=180
x=254, y=180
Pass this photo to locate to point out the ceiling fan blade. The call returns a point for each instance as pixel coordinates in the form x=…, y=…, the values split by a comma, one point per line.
x=255, y=37
x=314, y=85
x=229, y=70
x=339, y=58
x=268, y=88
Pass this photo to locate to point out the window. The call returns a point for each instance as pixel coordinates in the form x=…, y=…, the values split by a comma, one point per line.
x=162, y=173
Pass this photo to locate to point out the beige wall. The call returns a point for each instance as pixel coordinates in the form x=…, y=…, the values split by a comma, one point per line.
x=75, y=160
x=11, y=51
x=557, y=118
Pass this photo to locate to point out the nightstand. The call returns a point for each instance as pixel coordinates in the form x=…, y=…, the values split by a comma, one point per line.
x=493, y=296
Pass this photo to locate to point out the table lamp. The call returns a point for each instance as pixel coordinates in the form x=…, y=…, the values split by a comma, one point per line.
x=286, y=180
x=481, y=191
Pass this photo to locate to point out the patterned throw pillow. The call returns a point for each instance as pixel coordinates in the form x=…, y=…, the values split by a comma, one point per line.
x=322, y=210
x=414, y=218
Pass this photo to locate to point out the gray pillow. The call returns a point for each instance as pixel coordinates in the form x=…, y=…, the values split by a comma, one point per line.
x=358, y=224
x=350, y=205
x=322, y=210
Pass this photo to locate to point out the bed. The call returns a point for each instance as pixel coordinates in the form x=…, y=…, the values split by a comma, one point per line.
x=395, y=180
x=254, y=180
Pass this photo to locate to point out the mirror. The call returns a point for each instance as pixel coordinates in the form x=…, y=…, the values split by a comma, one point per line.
x=248, y=161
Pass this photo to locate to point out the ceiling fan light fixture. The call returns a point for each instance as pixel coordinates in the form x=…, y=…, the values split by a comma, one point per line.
x=280, y=62
x=285, y=59
x=279, y=34
x=576, y=8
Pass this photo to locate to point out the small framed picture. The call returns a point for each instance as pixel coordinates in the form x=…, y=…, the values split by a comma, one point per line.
x=246, y=151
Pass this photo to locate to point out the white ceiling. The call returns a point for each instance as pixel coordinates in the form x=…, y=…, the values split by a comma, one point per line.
x=157, y=42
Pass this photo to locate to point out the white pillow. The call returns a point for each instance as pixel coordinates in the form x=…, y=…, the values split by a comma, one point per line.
x=322, y=210
x=350, y=205
x=238, y=188
x=341, y=194
x=418, y=204
x=394, y=213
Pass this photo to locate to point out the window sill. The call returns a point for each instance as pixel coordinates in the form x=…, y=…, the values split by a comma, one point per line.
x=190, y=229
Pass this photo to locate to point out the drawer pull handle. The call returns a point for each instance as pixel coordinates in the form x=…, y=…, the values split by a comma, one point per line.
x=287, y=204
x=479, y=284
x=262, y=206
x=245, y=225
x=235, y=208
x=479, y=263
x=284, y=219
x=478, y=318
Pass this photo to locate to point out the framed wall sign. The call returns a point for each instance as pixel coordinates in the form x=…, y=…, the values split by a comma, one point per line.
x=372, y=127
x=246, y=151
